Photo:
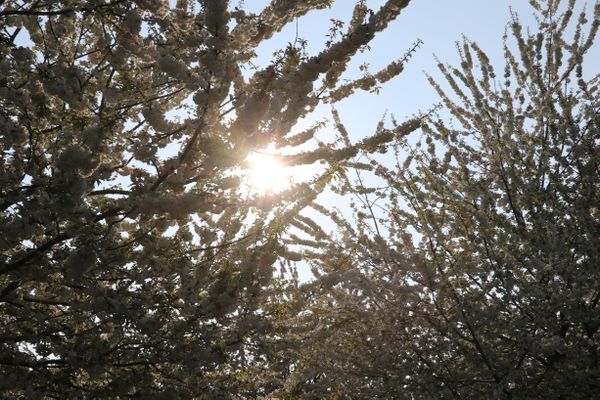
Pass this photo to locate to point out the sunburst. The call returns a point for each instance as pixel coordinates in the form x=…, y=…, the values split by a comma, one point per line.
x=266, y=174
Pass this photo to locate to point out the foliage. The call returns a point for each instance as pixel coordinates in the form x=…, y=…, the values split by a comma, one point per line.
x=132, y=263
x=481, y=278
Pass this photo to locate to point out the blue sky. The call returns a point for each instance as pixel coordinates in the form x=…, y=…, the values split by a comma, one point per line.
x=438, y=23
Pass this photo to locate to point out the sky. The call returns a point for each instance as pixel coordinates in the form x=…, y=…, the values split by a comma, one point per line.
x=438, y=23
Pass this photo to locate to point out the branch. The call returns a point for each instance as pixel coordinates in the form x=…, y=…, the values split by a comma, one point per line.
x=34, y=253
x=48, y=13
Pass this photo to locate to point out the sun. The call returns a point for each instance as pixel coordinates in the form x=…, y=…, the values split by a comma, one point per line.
x=266, y=174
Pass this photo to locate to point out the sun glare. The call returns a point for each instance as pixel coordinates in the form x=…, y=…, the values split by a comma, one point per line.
x=266, y=174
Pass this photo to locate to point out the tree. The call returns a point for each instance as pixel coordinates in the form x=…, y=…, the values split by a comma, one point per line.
x=481, y=278
x=132, y=263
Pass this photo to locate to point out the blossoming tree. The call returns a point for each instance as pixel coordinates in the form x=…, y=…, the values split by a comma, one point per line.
x=131, y=262
x=480, y=280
